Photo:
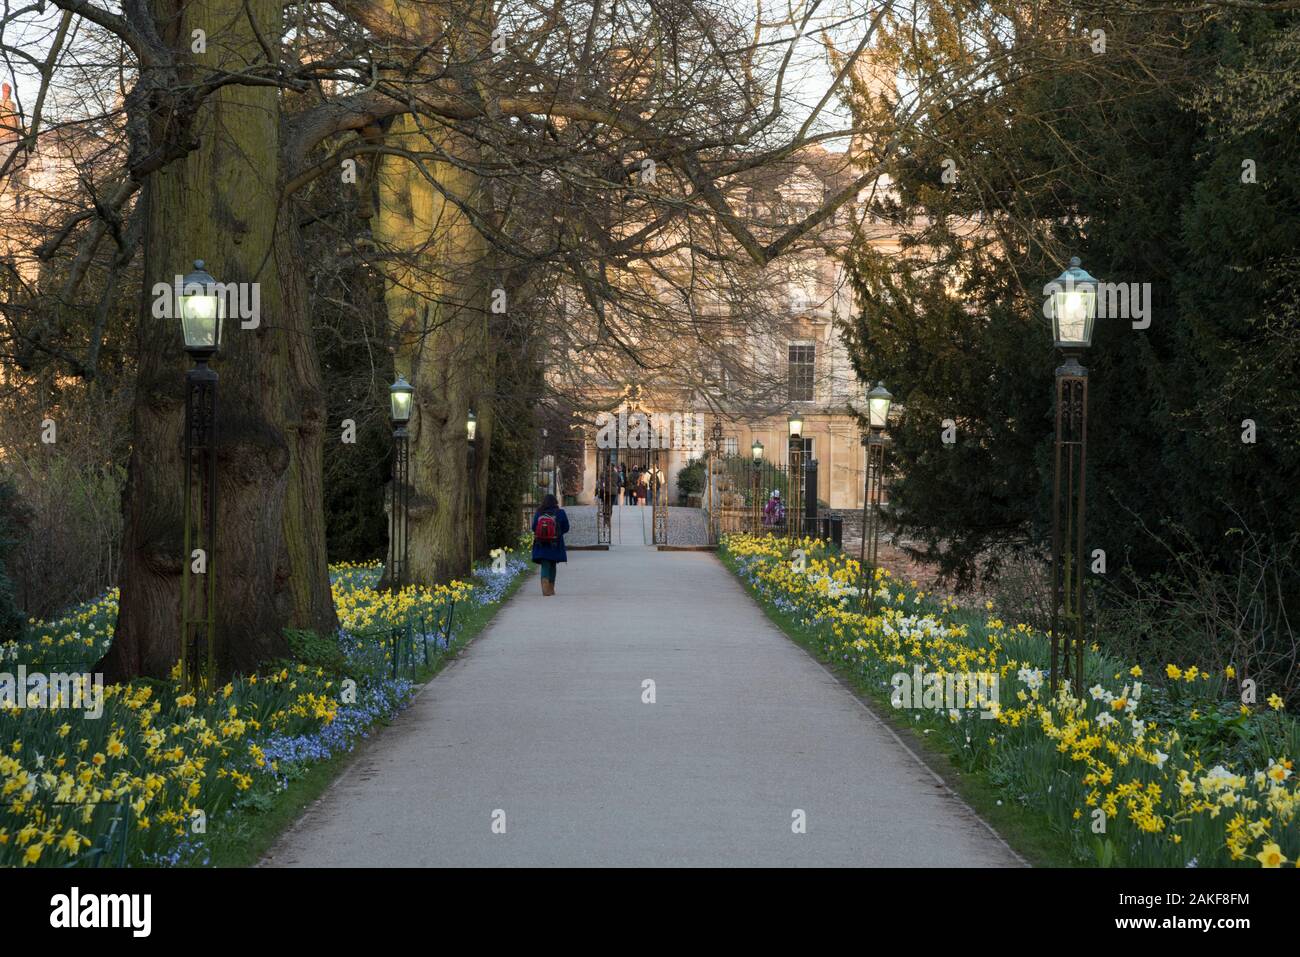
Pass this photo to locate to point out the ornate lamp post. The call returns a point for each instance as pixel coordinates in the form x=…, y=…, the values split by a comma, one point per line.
x=471, y=435
x=794, y=508
x=1073, y=308
x=873, y=440
x=201, y=307
x=756, y=475
x=400, y=399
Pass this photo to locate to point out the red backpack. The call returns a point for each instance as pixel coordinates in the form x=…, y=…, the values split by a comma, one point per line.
x=545, y=533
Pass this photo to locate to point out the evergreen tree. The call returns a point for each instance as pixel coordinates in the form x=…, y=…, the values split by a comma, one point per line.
x=1137, y=168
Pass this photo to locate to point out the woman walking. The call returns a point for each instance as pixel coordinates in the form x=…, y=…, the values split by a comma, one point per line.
x=550, y=525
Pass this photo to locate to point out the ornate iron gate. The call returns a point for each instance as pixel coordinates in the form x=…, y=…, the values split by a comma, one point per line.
x=755, y=496
x=658, y=498
x=607, y=492
x=637, y=463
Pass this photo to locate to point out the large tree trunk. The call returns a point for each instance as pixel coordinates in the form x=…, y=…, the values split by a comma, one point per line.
x=304, y=516
x=220, y=204
x=436, y=293
x=437, y=289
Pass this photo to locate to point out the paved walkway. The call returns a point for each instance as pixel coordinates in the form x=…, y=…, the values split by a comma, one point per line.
x=542, y=719
x=634, y=525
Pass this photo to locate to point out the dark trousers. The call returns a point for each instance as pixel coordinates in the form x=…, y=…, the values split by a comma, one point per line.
x=548, y=569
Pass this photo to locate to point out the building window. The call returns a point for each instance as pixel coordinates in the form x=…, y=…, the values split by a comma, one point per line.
x=731, y=445
x=802, y=361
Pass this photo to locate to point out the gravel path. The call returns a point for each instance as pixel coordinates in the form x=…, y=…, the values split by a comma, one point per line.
x=538, y=745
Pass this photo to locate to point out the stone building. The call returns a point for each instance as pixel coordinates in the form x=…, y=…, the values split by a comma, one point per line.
x=794, y=361
x=43, y=181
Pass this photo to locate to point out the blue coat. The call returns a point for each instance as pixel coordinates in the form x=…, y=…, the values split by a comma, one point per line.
x=555, y=552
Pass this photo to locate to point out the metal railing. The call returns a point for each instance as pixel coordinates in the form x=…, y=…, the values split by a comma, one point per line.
x=411, y=646
x=753, y=497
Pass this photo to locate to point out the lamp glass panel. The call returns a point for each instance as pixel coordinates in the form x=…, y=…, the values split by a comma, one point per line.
x=879, y=411
x=201, y=316
x=1072, y=315
x=401, y=403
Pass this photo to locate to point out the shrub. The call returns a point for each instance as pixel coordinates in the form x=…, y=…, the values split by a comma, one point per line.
x=12, y=518
x=1226, y=609
x=71, y=547
x=690, y=479
x=315, y=650
x=69, y=489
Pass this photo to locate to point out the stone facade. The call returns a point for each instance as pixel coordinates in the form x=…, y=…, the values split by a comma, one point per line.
x=798, y=364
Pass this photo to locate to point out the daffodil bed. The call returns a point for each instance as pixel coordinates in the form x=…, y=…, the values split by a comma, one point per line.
x=1175, y=772
x=145, y=782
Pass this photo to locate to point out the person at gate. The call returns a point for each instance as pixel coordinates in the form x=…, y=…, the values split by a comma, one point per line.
x=550, y=525
x=774, y=510
x=642, y=487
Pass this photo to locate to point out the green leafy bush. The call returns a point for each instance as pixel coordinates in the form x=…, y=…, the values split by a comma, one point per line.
x=690, y=479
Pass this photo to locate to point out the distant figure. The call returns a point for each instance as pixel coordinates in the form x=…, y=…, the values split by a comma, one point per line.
x=774, y=510
x=550, y=525
x=643, y=487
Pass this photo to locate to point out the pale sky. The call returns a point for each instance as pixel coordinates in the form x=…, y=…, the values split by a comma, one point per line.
x=807, y=78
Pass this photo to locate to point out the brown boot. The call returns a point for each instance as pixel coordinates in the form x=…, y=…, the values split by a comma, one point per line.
x=548, y=587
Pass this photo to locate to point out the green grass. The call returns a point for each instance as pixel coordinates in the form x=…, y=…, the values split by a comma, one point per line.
x=1032, y=835
x=243, y=839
